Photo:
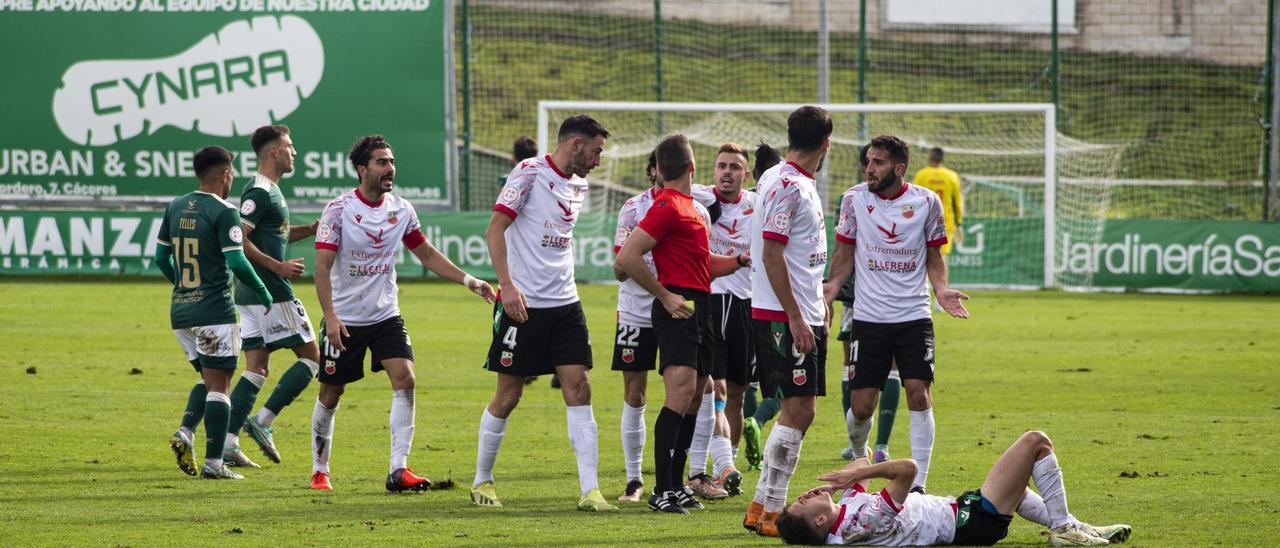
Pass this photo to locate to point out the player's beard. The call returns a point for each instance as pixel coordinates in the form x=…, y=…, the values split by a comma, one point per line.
x=579, y=164
x=879, y=184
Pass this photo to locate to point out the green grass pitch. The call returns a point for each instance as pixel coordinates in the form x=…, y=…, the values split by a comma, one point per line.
x=1178, y=391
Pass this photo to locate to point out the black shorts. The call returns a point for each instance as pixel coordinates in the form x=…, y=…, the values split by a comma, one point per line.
x=784, y=372
x=684, y=342
x=385, y=340
x=635, y=349
x=875, y=347
x=978, y=523
x=733, y=346
x=550, y=337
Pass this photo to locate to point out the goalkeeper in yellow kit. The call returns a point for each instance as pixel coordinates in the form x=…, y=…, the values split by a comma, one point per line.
x=946, y=184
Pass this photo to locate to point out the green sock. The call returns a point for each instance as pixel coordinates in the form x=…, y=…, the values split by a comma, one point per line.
x=243, y=397
x=749, y=402
x=195, y=406
x=766, y=409
x=217, y=413
x=888, y=410
x=844, y=394
x=294, y=381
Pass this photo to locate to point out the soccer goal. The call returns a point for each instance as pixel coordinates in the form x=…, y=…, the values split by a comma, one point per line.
x=1004, y=153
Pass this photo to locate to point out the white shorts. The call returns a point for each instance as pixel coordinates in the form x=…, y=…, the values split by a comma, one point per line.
x=285, y=326
x=212, y=346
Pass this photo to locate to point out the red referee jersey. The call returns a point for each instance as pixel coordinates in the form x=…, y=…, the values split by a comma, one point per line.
x=682, y=256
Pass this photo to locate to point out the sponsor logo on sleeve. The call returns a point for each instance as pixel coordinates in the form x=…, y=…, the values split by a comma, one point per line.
x=236, y=234
x=248, y=207
x=324, y=232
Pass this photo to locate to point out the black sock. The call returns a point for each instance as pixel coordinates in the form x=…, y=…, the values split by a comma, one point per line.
x=681, y=454
x=665, y=430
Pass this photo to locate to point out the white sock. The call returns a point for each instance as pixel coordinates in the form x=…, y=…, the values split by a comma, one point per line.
x=1032, y=508
x=735, y=454
x=705, y=424
x=921, y=443
x=1048, y=479
x=321, y=436
x=187, y=435
x=782, y=452
x=232, y=442
x=858, y=431
x=721, y=454
x=633, y=438
x=585, y=439
x=255, y=378
x=402, y=419
x=266, y=417
x=492, y=430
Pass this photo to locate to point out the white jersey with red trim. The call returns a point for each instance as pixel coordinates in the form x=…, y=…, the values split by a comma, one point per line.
x=366, y=236
x=731, y=235
x=544, y=204
x=874, y=519
x=890, y=238
x=634, y=303
x=788, y=210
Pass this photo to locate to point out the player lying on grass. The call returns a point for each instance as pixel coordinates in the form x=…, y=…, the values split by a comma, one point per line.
x=897, y=517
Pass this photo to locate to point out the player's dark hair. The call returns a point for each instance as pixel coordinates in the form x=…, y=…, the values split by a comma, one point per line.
x=795, y=529
x=734, y=148
x=897, y=150
x=808, y=127
x=674, y=156
x=581, y=125
x=935, y=154
x=862, y=155
x=650, y=169
x=524, y=148
x=363, y=150
x=210, y=158
x=264, y=135
x=766, y=158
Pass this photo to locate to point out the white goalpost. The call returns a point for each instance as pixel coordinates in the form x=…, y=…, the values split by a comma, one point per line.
x=990, y=145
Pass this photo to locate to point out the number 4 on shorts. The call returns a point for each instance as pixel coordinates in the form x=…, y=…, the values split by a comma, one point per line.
x=510, y=338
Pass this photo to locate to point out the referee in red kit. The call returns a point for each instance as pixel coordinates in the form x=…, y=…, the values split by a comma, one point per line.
x=676, y=231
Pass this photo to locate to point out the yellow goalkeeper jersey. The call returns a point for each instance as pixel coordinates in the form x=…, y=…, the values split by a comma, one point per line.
x=946, y=184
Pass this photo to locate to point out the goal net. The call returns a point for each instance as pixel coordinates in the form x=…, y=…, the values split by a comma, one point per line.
x=1014, y=224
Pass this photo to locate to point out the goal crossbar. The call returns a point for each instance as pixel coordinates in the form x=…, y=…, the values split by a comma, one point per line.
x=1046, y=109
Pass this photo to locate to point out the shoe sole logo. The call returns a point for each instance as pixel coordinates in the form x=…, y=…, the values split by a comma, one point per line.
x=248, y=74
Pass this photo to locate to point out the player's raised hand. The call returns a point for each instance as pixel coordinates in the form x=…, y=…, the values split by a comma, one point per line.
x=674, y=303
x=334, y=331
x=483, y=289
x=291, y=269
x=802, y=336
x=950, y=300
x=844, y=478
x=514, y=304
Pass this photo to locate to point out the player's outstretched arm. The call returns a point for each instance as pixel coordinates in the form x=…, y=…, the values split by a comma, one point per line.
x=630, y=262
x=289, y=270
x=301, y=232
x=949, y=299
x=724, y=265
x=900, y=473
x=840, y=266
x=240, y=266
x=164, y=261
x=513, y=302
x=438, y=263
